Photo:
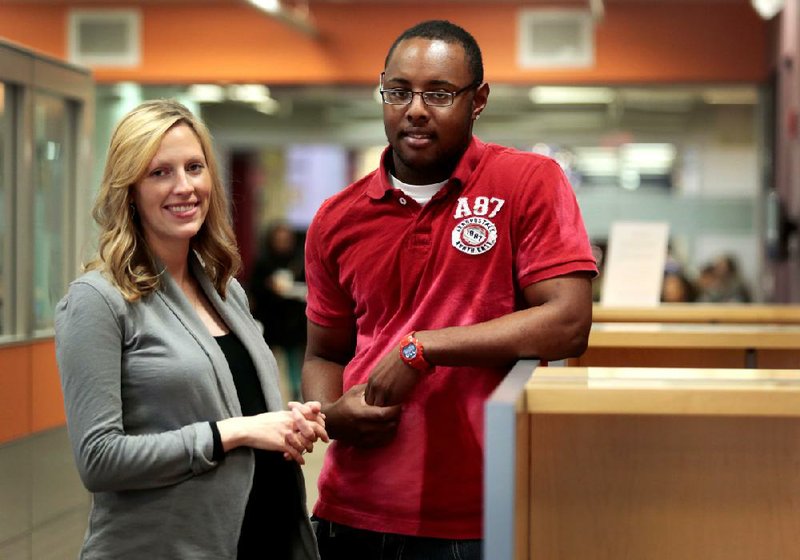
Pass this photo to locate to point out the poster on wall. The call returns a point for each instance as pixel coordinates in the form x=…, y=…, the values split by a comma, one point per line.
x=634, y=266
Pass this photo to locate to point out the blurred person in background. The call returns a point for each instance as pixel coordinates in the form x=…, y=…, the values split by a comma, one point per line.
x=277, y=291
x=721, y=282
x=677, y=288
x=171, y=394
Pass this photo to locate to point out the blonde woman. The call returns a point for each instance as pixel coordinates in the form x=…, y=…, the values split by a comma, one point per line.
x=171, y=394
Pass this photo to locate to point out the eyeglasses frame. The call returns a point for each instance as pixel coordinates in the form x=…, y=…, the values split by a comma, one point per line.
x=451, y=94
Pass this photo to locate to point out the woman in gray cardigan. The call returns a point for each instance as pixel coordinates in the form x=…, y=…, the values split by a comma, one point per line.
x=171, y=395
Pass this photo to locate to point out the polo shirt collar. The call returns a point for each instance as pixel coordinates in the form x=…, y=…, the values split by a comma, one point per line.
x=379, y=184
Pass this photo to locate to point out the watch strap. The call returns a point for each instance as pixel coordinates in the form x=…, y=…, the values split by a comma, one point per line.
x=413, y=354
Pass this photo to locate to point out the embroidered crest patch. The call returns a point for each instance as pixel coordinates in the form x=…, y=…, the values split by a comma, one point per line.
x=474, y=236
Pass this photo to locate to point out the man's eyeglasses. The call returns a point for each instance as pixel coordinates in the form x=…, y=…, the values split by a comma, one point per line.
x=398, y=96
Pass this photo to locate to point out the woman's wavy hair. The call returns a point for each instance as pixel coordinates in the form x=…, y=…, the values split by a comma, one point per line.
x=122, y=254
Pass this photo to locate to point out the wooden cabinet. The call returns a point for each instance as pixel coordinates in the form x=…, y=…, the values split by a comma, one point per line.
x=645, y=463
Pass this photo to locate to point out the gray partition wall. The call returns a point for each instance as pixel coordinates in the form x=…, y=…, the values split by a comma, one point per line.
x=502, y=526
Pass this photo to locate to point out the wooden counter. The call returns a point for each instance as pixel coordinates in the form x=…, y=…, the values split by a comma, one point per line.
x=692, y=345
x=648, y=463
x=659, y=391
x=700, y=313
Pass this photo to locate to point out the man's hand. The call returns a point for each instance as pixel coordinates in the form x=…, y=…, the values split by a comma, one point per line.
x=391, y=382
x=352, y=421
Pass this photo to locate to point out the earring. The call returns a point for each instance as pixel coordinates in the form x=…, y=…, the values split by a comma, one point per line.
x=133, y=209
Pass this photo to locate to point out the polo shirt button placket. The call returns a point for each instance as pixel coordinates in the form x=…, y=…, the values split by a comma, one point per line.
x=403, y=201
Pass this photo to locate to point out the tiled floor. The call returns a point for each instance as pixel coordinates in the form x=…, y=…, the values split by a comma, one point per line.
x=43, y=505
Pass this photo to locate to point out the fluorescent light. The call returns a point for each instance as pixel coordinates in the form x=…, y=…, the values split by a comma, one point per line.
x=271, y=6
x=256, y=95
x=550, y=95
x=295, y=14
x=268, y=106
x=654, y=158
x=597, y=161
x=207, y=93
x=248, y=93
x=767, y=9
x=730, y=96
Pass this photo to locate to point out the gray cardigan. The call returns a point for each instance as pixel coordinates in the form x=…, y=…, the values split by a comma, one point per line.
x=141, y=382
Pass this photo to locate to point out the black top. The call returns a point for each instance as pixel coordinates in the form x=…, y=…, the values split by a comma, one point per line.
x=273, y=513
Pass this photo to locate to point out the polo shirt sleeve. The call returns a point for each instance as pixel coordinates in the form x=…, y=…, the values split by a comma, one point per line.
x=328, y=304
x=551, y=233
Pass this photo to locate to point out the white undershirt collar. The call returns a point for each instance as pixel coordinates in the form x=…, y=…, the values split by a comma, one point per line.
x=421, y=193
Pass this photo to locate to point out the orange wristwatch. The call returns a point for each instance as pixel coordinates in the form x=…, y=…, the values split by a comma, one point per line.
x=412, y=353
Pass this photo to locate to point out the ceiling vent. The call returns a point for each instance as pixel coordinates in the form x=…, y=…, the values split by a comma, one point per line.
x=555, y=38
x=104, y=37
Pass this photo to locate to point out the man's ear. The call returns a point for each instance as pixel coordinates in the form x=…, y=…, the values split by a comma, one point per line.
x=479, y=100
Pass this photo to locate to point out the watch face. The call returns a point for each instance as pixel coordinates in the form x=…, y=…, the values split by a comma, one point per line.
x=410, y=351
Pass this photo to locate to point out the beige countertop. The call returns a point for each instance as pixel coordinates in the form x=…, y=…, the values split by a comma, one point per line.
x=694, y=335
x=701, y=313
x=671, y=391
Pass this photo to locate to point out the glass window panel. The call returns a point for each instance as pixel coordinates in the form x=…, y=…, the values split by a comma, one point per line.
x=51, y=129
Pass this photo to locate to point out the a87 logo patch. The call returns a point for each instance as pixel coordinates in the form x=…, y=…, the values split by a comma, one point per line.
x=481, y=206
x=476, y=234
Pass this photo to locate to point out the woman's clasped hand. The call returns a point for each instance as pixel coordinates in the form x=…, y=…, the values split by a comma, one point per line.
x=291, y=431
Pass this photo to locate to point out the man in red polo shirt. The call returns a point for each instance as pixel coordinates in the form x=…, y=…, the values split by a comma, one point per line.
x=428, y=279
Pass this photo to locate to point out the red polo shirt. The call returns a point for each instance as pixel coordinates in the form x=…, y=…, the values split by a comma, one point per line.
x=378, y=260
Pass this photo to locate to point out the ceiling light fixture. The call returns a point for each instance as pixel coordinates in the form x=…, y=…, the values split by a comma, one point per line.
x=248, y=93
x=767, y=9
x=293, y=12
x=207, y=93
x=269, y=6
x=553, y=95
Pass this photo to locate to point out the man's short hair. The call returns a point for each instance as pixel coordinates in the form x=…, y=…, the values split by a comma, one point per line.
x=443, y=30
